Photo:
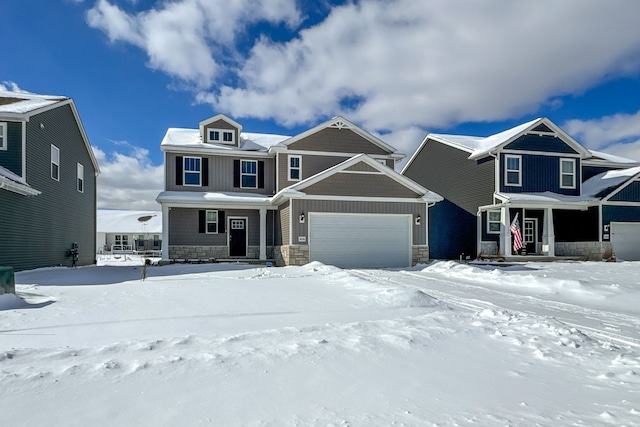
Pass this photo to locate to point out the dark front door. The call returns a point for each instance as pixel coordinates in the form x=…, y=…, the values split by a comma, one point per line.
x=237, y=237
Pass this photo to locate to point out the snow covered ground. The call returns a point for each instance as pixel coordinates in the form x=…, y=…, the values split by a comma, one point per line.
x=237, y=345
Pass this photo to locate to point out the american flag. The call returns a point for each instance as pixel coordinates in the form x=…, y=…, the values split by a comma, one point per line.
x=517, y=236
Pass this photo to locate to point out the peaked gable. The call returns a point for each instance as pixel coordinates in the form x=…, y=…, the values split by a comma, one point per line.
x=220, y=129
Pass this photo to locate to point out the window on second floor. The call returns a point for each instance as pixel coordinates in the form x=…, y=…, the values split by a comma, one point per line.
x=248, y=174
x=221, y=135
x=80, y=178
x=295, y=168
x=192, y=170
x=493, y=222
x=567, y=173
x=55, y=162
x=3, y=136
x=513, y=170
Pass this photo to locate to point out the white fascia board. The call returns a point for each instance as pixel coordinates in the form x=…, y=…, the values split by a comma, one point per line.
x=211, y=151
x=367, y=199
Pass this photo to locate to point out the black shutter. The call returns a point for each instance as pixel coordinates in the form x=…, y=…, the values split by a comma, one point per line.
x=179, y=166
x=202, y=221
x=260, y=174
x=221, y=222
x=205, y=172
x=236, y=173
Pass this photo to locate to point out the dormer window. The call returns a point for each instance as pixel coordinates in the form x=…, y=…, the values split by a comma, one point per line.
x=221, y=136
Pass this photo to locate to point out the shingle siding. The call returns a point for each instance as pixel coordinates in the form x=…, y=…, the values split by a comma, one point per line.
x=311, y=164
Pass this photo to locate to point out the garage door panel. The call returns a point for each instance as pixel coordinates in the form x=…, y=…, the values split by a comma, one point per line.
x=365, y=241
x=625, y=239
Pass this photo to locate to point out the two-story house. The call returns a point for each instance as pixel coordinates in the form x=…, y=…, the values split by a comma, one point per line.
x=328, y=194
x=568, y=201
x=47, y=183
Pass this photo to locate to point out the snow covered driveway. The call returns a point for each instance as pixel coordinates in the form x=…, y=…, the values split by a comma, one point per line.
x=231, y=344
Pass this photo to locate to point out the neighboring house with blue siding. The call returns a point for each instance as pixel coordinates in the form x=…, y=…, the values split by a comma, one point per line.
x=47, y=183
x=564, y=196
x=328, y=194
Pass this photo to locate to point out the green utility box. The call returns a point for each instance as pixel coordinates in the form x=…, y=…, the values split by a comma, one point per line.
x=7, y=281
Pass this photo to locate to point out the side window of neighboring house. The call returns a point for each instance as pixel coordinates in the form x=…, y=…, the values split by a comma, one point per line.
x=122, y=241
x=3, y=136
x=295, y=168
x=80, y=178
x=248, y=174
x=192, y=170
x=55, y=162
x=493, y=222
x=513, y=170
x=567, y=173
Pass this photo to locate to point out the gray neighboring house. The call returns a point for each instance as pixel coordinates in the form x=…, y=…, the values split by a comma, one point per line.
x=328, y=194
x=47, y=183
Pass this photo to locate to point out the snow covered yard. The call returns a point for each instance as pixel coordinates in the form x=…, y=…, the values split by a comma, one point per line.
x=233, y=344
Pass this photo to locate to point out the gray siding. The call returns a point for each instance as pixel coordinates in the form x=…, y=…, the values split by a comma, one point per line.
x=361, y=167
x=355, y=184
x=449, y=172
x=311, y=165
x=220, y=175
x=306, y=206
x=38, y=231
x=337, y=141
x=221, y=124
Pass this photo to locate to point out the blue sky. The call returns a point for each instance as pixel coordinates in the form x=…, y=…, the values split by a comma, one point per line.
x=399, y=69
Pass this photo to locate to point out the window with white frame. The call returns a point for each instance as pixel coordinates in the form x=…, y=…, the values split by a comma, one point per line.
x=221, y=135
x=567, y=173
x=55, y=162
x=3, y=136
x=80, y=178
x=295, y=168
x=493, y=222
x=212, y=222
x=122, y=241
x=192, y=170
x=248, y=174
x=513, y=170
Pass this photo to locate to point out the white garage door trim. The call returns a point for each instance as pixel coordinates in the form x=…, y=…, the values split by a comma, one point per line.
x=625, y=239
x=361, y=240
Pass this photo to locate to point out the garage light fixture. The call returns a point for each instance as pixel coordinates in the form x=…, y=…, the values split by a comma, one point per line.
x=418, y=219
x=302, y=218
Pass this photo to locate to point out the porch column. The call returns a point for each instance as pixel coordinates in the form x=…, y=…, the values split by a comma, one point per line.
x=505, y=233
x=263, y=234
x=549, y=231
x=165, y=232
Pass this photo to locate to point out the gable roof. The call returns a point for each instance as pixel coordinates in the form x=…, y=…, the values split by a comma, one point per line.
x=340, y=122
x=297, y=190
x=219, y=117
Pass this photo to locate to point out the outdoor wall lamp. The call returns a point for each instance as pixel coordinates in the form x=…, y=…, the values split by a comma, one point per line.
x=302, y=218
x=418, y=219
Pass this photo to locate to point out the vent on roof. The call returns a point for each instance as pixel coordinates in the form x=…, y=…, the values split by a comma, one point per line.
x=542, y=128
x=339, y=124
x=145, y=218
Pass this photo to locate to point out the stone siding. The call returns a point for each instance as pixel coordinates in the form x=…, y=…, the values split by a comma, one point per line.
x=420, y=255
x=291, y=255
x=489, y=249
x=593, y=251
x=210, y=253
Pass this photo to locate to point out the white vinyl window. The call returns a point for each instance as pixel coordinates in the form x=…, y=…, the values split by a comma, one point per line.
x=248, y=174
x=567, y=173
x=493, y=222
x=221, y=135
x=513, y=170
x=3, y=136
x=192, y=170
x=55, y=162
x=295, y=168
x=80, y=178
x=212, y=222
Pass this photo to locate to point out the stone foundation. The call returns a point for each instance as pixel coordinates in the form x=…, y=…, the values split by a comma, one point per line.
x=592, y=251
x=291, y=255
x=420, y=255
x=489, y=249
x=211, y=253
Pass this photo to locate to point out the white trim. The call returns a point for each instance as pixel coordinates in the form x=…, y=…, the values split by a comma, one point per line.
x=507, y=170
x=499, y=221
x=299, y=168
x=24, y=151
x=79, y=177
x=363, y=199
x=362, y=172
x=248, y=174
x=55, y=149
x=184, y=172
x=246, y=234
x=610, y=203
x=573, y=174
x=291, y=222
x=541, y=153
x=207, y=222
x=4, y=138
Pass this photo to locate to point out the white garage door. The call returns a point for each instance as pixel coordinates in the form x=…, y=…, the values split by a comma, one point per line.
x=625, y=238
x=360, y=241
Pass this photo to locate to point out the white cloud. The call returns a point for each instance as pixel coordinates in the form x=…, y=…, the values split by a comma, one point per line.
x=128, y=181
x=9, y=86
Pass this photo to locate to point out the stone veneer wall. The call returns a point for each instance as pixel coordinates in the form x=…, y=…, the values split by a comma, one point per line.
x=420, y=255
x=593, y=251
x=291, y=255
x=213, y=252
x=489, y=249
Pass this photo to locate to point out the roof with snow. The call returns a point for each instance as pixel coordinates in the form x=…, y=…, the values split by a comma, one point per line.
x=128, y=221
x=603, y=184
x=179, y=137
x=24, y=102
x=206, y=198
x=12, y=182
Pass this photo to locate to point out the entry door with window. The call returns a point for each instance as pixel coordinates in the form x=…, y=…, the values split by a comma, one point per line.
x=237, y=237
x=531, y=235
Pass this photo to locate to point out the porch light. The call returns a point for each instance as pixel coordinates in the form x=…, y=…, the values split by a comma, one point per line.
x=302, y=218
x=418, y=219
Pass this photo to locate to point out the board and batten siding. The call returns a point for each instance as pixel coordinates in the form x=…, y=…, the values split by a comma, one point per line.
x=221, y=175
x=539, y=174
x=38, y=231
x=343, y=206
x=311, y=165
x=337, y=141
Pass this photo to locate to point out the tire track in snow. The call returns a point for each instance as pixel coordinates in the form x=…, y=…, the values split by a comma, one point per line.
x=597, y=323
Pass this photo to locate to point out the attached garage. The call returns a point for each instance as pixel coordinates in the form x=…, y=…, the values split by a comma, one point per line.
x=625, y=239
x=360, y=240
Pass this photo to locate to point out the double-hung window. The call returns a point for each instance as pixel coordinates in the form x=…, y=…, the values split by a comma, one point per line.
x=493, y=222
x=192, y=170
x=212, y=222
x=55, y=162
x=248, y=174
x=3, y=136
x=80, y=178
x=295, y=168
x=513, y=170
x=567, y=173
